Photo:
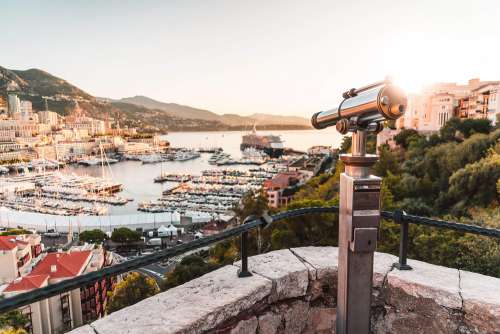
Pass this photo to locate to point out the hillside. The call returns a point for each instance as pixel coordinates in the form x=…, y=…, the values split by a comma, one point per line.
x=229, y=119
x=172, y=108
x=138, y=111
x=38, y=82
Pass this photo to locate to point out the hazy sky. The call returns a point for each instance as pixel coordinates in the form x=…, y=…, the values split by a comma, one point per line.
x=281, y=57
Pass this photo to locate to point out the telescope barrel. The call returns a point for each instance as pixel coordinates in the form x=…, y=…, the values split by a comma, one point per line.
x=372, y=103
x=326, y=118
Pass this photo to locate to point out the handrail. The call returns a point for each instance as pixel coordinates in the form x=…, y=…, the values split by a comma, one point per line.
x=19, y=300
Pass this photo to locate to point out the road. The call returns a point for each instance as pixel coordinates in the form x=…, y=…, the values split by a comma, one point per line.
x=158, y=271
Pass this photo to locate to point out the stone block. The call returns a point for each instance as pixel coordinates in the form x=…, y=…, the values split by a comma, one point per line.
x=382, y=265
x=481, y=302
x=269, y=323
x=194, y=307
x=289, y=275
x=248, y=326
x=428, y=281
x=323, y=260
x=321, y=320
x=85, y=329
x=295, y=316
x=423, y=300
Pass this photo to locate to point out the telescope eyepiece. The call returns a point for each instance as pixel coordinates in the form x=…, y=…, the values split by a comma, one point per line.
x=315, y=123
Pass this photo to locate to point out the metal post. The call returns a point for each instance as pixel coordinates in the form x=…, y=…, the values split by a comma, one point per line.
x=358, y=231
x=244, y=272
x=403, y=241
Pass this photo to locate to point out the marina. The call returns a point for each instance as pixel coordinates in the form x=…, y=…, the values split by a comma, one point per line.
x=128, y=183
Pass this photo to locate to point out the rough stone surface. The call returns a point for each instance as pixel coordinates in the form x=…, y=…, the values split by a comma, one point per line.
x=194, y=307
x=269, y=323
x=294, y=291
x=246, y=326
x=423, y=300
x=295, y=316
x=382, y=265
x=428, y=281
x=323, y=261
x=321, y=320
x=287, y=272
x=86, y=329
x=481, y=302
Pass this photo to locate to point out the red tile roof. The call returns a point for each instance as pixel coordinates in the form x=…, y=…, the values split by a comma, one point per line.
x=27, y=283
x=281, y=180
x=67, y=264
x=8, y=242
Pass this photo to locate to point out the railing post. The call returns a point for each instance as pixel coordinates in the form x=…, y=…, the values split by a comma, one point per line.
x=403, y=241
x=244, y=272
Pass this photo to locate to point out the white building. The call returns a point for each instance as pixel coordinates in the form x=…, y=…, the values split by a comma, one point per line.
x=26, y=110
x=48, y=117
x=14, y=104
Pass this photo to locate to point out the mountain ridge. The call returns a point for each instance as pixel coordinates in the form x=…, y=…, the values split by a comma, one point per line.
x=180, y=110
x=138, y=111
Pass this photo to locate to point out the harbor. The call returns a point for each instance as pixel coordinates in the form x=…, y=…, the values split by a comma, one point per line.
x=197, y=189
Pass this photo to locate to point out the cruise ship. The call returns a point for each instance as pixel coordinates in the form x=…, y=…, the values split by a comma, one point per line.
x=271, y=145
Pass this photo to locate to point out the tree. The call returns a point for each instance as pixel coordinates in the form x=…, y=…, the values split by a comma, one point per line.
x=471, y=126
x=466, y=128
x=251, y=204
x=134, y=288
x=345, y=146
x=10, y=330
x=387, y=162
x=449, y=131
x=189, y=268
x=404, y=135
x=125, y=235
x=15, y=231
x=13, y=322
x=476, y=183
x=93, y=236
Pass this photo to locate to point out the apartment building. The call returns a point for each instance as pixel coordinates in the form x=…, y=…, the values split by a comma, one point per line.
x=16, y=253
x=48, y=117
x=431, y=109
x=281, y=187
x=63, y=312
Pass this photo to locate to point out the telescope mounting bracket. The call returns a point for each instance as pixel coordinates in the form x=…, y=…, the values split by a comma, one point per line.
x=352, y=124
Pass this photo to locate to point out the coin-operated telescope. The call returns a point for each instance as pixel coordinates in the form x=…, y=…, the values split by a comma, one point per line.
x=362, y=110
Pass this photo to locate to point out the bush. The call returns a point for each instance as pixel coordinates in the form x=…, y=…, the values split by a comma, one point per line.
x=189, y=268
x=134, y=288
x=125, y=235
x=93, y=236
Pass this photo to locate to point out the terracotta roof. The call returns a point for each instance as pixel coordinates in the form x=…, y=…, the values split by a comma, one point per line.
x=281, y=180
x=67, y=264
x=27, y=283
x=6, y=242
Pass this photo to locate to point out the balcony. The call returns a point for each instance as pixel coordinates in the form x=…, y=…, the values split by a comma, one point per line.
x=295, y=291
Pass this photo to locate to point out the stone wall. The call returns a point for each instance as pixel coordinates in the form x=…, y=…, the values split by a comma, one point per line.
x=294, y=291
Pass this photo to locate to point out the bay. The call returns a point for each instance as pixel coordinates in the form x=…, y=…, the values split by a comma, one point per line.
x=137, y=178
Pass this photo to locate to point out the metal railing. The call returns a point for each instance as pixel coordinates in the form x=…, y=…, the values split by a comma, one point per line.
x=250, y=223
